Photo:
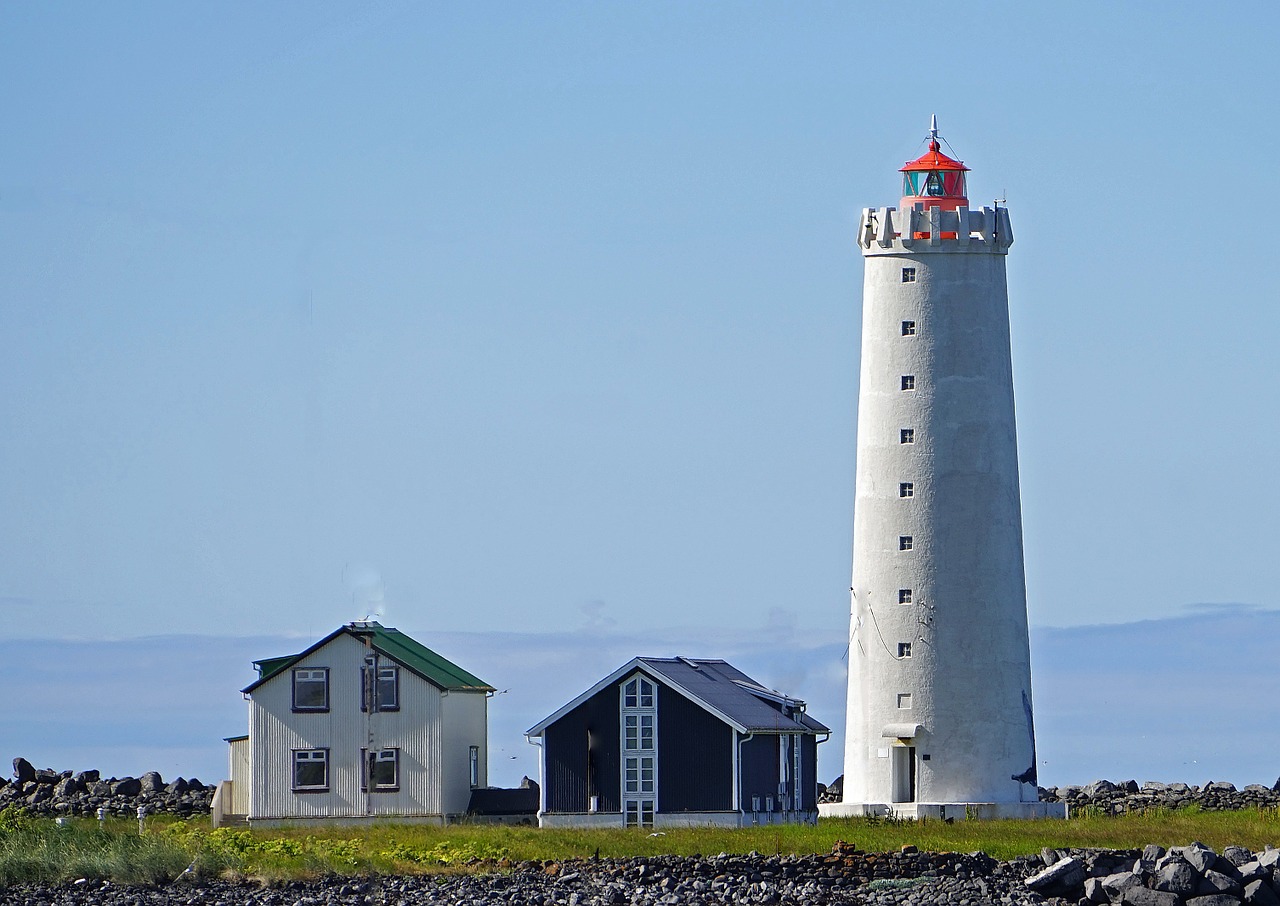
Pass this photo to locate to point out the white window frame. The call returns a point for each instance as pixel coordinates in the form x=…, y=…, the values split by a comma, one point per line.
x=908, y=382
x=904, y=701
x=638, y=707
x=904, y=595
x=908, y=275
x=904, y=650
x=908, y=328
x=906, y=435
x=906, y=489
x=906, y=542
x=473, y=765
x=306, y=758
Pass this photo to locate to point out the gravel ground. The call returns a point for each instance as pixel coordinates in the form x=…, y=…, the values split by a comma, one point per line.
x=843, y=876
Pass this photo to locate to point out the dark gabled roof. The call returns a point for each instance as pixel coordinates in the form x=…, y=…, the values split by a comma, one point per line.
x=717, y=686
x=405, y=651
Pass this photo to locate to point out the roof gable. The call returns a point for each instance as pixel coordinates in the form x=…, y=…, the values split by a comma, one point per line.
x=392, y=643
x=715, y=685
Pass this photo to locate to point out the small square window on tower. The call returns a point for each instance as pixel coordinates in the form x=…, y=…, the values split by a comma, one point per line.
x=907, y=436
x=908, y=275
x=904, y=649
x=904, y=700
x=904, y=596
x=908, y=382
x=907, y=489
x=904, y=542
x=908, y=328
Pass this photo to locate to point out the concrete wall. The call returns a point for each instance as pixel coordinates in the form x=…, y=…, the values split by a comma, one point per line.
x=968, y=675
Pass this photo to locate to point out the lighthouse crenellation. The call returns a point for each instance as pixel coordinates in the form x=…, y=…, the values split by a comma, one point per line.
x=917, y=228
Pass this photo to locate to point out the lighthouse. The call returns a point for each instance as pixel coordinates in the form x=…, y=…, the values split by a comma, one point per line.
x=940, y=719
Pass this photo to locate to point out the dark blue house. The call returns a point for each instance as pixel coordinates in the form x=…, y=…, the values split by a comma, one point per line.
x=670, y=741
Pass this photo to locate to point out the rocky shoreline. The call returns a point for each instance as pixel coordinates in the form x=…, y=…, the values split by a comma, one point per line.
x=51, y=793
x=1185, y=876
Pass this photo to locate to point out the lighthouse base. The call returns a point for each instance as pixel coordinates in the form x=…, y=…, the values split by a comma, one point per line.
x=943, y=811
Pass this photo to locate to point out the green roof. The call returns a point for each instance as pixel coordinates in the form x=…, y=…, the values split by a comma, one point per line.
x=405, y=651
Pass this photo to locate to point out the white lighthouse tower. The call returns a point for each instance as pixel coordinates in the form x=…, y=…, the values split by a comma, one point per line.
x=939, y=710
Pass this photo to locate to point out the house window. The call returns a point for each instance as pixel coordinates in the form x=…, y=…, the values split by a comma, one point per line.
x=311, y=770
x=904, y=649
x=905, y=542
x=904, y=701
x=638, y=732
x=381, y=770
x=908, y=382
x=639, y=813
x=638, y=694
x=904, y=596
x=473, y=759
x=639, y=774
x=311, y=689
x=907, y=436
x=908, y=328
x=908, y=275
x=386, y=693
x=907, y=489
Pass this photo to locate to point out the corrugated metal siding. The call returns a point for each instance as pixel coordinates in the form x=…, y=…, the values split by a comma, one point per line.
x=240, y=773
x=809, y=770
x=465, y=725
x=759, y=767
x=570, y=761
x=275, y=731
x=695, y=757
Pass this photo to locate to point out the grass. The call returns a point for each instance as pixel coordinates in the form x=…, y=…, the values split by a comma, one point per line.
x=36, y=850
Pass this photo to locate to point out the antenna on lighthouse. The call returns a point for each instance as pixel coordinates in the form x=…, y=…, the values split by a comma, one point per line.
x=933, y=127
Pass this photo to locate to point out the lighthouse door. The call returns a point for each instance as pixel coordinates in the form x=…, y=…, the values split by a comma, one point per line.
x=903, y=765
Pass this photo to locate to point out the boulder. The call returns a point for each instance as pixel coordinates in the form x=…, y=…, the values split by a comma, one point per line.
x=152, y=782
x=1259, y=893
x=1176, y=876
x=129, y=786
x=23, y=770
x=1201, y=857
x=178, y=787
x=1217, y=882
x=1214, y=899
x=1062, y=875
x=1144, y=896
x=48, y=776
x=87, y=777
x=1237, y=855
x=1115, y=885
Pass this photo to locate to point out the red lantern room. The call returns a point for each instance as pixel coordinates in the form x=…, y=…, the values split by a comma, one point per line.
x=934, y=180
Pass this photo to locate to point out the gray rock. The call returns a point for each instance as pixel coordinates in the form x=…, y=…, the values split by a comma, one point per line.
x=1237, y=855
x=1094, y=892
x=87, y=777
x=1062, y=875
x=1217, y=882
x=23, y=770
x=1259, y=893
x=1214, y=899
x=129, y=786
x=1201, y=857
x=1269, y=858
x=1152, y=853
x=1176, y=876
x=152, y=782
x=1115, y=885
x=1144, y=896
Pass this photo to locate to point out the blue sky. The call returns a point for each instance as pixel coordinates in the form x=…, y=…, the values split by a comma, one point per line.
x=544, y=318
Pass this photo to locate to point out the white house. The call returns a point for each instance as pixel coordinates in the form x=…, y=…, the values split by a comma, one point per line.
x=365, y=724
